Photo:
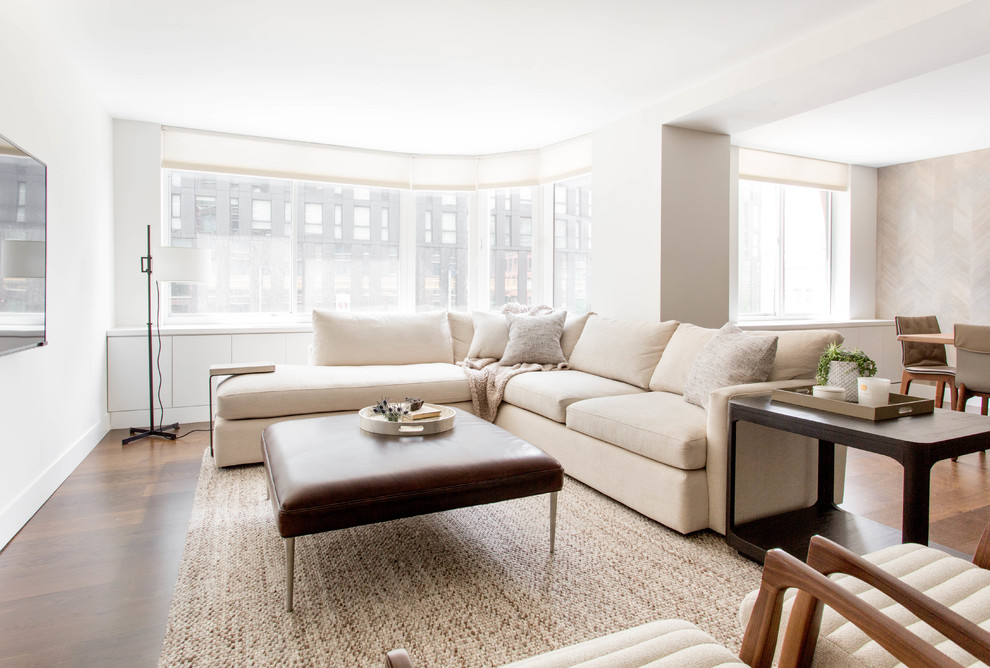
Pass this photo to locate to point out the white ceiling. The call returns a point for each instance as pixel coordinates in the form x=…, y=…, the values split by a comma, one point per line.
x=866, y=81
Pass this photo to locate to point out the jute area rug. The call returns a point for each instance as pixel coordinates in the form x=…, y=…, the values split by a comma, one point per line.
x=469, y=587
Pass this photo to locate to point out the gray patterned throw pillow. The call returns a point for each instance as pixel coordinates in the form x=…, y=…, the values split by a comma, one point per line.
x=534, y=339
x=731, y=357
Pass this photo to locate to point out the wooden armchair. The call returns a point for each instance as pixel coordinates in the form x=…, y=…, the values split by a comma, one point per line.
x=781, y=572
x=925, y=361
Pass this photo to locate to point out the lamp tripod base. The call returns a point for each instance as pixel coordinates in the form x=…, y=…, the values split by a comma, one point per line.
x=138, y=433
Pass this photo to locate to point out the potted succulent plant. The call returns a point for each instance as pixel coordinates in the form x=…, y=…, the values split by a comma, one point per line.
x=840, y=367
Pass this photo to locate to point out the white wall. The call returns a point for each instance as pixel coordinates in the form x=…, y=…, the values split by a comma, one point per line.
x=137, y=196
x=625, y=255
x=53, y=399
x=694, y=227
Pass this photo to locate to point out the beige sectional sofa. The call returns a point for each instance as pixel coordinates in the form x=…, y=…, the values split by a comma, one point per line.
x=617, y=419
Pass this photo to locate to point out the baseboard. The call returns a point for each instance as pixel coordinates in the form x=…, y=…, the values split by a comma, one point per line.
x=17, y=513
x=186, y=414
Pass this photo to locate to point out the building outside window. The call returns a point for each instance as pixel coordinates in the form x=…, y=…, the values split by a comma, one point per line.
x=510, y=229
x=442, y=259
x=572, y=244
x=784, y=251
x=305, y=245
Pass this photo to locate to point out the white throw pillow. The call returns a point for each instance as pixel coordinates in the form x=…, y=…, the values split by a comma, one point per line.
x=624, y=350
x=573, y=327
x=731, y=357
x=341, y=338
x=461, y=332
x=678, y=356
x=534, y=339
x=491, y=334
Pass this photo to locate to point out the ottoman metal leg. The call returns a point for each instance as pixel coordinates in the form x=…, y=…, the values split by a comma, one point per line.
x=553, y=519
x=290, y=562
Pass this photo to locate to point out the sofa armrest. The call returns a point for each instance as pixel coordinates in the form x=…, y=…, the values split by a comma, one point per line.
x=790, y=454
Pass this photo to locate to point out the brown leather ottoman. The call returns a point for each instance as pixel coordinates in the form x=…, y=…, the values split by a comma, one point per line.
x=327, y=473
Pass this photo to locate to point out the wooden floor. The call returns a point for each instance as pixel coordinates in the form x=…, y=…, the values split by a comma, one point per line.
x=87, y=582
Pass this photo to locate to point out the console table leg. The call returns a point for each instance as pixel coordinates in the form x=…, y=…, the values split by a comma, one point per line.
x=290, y=563
x=917, y=488
x=553, y=519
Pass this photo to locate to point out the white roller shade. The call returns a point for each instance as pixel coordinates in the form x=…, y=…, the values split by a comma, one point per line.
x=566, y=159
x=198, y=150
x=237, y=154
x=792, y=170
x=444, y=172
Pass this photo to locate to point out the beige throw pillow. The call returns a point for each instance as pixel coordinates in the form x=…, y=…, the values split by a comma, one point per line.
x=461, y=332
x=573, y=327
x=534, y=339
x=678, y=356
x=731, y=357
x=623, y=350
x=491, y=334
x=341, y=338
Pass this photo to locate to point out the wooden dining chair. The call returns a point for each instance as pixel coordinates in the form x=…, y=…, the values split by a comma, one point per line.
x=925, y=361
x=972, y=364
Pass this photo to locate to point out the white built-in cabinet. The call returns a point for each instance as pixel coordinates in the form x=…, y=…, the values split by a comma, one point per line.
x=186, y=357
x=185, y=362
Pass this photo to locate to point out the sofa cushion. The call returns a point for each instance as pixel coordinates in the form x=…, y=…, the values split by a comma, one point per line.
x=657, y=425
x=300, y=389
x=684, y=346
x=491, y=334
x=731, y=357
x=956, y=583
x=341, y=338
x=549, y=394
x=623, y=350
x=573, y=327
x=534, y=339
x=461, y=333
x=798, y=352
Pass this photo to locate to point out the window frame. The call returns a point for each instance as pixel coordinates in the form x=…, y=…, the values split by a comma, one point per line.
x=778, y=314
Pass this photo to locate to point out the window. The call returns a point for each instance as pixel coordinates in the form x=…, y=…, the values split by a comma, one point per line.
x=304, y=245
x=442, y=260
x=510, y=220
x=784, y=250
x=572, y=244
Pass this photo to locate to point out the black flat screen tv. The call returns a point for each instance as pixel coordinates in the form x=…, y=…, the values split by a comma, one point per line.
x=23, y=232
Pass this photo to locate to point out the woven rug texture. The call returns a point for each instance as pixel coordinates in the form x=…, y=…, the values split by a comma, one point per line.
x=469, y=587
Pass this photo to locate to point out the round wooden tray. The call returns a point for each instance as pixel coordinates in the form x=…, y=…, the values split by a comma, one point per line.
x=377, y=424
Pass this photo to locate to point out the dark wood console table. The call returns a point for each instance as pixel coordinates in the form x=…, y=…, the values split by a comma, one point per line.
x=917, y=442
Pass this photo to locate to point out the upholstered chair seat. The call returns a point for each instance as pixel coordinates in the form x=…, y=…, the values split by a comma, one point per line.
x=925, y=361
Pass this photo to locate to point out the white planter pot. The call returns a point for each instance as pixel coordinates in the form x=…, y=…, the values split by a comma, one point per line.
x=844, y=375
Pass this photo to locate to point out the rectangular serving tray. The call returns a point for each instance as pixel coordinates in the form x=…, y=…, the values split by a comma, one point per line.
x=901, y=405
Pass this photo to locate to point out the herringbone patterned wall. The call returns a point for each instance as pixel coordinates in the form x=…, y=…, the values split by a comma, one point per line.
x=933, y=239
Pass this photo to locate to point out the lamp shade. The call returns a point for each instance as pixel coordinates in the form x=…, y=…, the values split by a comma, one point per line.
x=187, y=265
x=22, y=259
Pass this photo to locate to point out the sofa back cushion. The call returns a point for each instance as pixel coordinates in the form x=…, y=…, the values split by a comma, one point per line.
x=341, y=338
x=678, y=357
x=573, y=327
x=798, y=352
x=623, y=350
x=461, y=332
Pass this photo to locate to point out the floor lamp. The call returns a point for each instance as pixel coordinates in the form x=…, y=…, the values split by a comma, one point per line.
x=190, y=265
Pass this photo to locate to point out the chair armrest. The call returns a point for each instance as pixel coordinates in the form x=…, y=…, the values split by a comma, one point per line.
x=827, y=558
x=782, y=571
x=398, y=658
x=982, y=556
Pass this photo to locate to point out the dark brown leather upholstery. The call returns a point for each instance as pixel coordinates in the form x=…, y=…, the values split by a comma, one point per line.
x=327, y=473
